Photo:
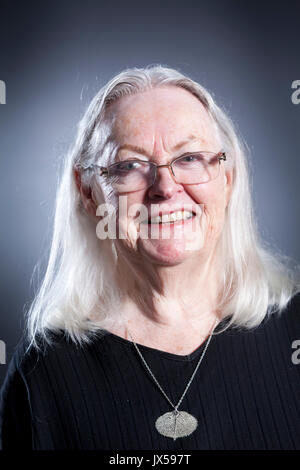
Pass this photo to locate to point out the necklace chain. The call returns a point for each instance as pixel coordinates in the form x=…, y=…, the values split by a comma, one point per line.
x=192, y=376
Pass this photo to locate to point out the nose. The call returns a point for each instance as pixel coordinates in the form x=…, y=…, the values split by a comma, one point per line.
x=164, y=186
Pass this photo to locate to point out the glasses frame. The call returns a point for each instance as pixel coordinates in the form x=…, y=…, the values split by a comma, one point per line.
x=105, y=170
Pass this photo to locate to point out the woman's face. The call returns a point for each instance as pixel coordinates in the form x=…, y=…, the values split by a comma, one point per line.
x=167, y=122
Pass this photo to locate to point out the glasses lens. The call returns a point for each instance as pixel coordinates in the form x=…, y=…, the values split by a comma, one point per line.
x=196, y=168
x=131, y=175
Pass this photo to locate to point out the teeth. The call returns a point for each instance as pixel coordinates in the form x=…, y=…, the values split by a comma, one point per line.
x=174, y=216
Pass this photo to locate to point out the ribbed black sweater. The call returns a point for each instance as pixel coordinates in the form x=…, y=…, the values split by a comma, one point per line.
x=245, y=394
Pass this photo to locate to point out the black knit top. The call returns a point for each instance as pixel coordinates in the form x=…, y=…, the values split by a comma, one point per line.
x=245, y=394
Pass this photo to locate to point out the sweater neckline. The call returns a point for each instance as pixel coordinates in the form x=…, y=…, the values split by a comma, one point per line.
x=159, y=352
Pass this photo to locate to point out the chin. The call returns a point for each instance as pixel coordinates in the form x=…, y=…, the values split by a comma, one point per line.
x=166, y=252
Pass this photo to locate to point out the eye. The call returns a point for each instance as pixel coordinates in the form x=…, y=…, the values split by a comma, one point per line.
x=128, y=166
x=189, y=160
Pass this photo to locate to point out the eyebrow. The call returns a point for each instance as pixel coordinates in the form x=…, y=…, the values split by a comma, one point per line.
x=142, y=151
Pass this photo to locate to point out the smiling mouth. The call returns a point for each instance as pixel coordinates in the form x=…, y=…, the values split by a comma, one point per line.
x=170, y=218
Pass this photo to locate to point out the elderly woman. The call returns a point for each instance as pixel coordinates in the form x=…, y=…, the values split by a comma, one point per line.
x=162, y=321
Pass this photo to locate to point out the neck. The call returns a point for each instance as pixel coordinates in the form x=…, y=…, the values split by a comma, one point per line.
x=168, y=298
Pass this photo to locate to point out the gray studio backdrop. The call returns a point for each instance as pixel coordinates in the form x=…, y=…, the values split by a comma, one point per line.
x=54, y=56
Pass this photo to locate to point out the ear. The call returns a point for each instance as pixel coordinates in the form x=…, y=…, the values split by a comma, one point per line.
x=77, y=177
x=85, y=194
x=228, y=180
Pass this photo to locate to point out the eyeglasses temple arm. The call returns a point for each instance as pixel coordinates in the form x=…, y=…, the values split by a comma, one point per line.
x=103, y=169
x=222, y=156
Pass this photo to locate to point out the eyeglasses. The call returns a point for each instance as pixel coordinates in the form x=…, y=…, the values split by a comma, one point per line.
x=135, y=174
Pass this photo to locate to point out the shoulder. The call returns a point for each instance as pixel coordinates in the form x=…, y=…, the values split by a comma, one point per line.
x=52, y=356
x=277, y=332
x=284, y=321
x=287, y=318
x=32, y=367
x=27, y=356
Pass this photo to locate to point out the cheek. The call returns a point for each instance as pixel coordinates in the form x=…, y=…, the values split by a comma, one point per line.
x=126, y=204
x=211, y=197
x=210, y=194
x=130, y=212
x=135, y=206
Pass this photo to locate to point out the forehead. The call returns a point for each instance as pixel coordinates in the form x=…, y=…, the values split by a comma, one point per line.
x=165, y=114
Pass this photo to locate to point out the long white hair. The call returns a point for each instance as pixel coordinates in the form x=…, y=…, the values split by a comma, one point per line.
x=80, y=279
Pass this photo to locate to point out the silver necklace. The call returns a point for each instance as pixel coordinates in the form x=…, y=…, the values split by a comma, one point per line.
x=175, y=423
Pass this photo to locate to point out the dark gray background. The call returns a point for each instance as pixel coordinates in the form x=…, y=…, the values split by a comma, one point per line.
x=54, y=56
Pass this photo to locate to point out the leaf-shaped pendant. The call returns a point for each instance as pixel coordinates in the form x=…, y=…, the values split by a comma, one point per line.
x=176, y=424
